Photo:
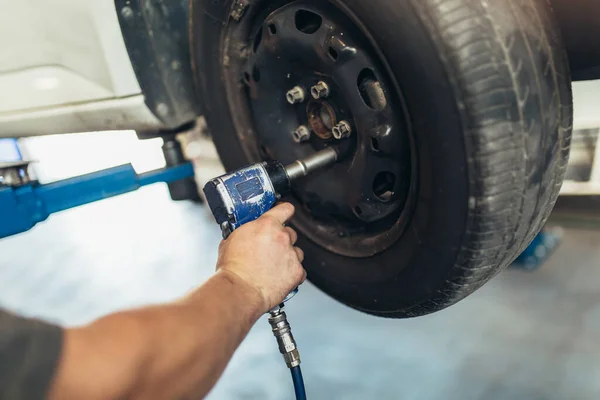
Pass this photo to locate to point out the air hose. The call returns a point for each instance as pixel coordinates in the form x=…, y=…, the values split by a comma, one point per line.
x=287, y=347
x=298, y=383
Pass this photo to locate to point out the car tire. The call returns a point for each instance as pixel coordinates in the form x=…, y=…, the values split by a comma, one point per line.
x=488, y=92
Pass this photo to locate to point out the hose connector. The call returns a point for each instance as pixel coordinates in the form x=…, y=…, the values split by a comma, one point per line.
x=285, y=340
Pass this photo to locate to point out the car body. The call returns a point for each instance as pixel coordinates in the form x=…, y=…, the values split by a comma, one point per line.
x=65, y=68
x=76, y=66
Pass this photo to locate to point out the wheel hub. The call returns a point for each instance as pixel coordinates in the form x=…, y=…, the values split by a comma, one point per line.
x=321, y=118
x=311, y=68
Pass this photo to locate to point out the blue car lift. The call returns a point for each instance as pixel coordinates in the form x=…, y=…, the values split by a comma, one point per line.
x=25, y=202
x=540, y=249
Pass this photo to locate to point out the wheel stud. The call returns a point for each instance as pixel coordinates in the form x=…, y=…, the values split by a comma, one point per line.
x=295, y=95
x=320, y=90
x=301, y=134
x=342, y=130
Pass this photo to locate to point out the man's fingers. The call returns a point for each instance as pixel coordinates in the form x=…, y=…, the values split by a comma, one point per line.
x=282, y=213
x=293, y=235
x=299, y=253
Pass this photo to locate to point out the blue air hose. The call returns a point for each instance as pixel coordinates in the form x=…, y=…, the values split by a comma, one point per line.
x=298, y=383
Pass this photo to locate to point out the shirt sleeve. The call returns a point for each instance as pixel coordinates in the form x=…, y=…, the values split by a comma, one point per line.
x=29, y=355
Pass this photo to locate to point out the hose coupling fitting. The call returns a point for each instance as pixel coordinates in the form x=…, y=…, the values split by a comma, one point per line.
x=285, y=340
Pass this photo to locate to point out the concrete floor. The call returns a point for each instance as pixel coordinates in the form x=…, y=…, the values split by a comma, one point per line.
x=523, y=336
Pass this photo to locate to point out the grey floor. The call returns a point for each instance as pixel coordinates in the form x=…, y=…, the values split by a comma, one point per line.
x=523, y=336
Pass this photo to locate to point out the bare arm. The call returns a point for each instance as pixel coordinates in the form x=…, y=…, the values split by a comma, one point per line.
x=180, y=350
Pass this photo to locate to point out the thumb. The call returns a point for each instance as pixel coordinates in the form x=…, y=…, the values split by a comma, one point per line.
x=282, y=213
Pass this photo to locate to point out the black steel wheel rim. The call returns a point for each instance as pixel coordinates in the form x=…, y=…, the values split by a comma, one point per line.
x=360, y=206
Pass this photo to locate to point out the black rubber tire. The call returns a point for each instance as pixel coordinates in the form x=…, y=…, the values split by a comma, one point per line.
x=488, y=91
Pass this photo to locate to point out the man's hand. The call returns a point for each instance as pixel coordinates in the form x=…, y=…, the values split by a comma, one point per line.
x=261, y=254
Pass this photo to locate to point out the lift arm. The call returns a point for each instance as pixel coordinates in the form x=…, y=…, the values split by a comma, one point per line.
x=24, y=203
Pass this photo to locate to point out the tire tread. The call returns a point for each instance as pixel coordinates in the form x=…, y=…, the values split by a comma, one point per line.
x=506, y=108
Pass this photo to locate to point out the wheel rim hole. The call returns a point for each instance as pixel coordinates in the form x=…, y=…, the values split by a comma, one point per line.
x=272, y=29
x=383, y=186
x=333, y=54
x=358, y=210
x=374, y=143
x=257, y=39
x=307, y=21
x=370, y=90
x=256, y=74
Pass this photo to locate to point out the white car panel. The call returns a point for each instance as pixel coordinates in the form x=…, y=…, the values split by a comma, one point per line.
x=113, y=114
x=64, y=68
x=47, y=86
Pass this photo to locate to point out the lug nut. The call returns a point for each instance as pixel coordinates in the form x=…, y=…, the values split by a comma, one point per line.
x=320, y=90
x=296, y=95
x=342, y=130
x=302, y=134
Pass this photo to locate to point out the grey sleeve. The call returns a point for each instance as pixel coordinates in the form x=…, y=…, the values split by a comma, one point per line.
x=29, y=355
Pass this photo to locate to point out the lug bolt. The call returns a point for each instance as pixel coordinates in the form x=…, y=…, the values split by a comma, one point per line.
x=302, y=134
x=320, y=90
x=342, y=130
x=296, y=95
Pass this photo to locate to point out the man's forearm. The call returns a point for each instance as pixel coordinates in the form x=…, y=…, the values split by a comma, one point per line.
x=171, y=351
